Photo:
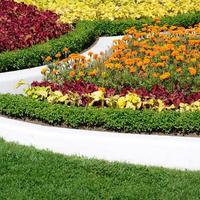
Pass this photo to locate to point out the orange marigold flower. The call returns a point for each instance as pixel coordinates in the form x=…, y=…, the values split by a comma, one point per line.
x=125, y=38
x=192, y=71
x=90, y=53
x=48, y=58
x=102, y=89
x=65, y=49
x=54, y=71
x=95, y=56
x=157, y=20
x=160, y=64
x=155, y=74
x=129, y=61
x=72, y=73
x=58, y=55
x=180, y=58
x=64, y=60
x=93, y=73
x=172, y=27
x=179, y=70
x=165, y=75
x=132, y=69
x=109, y=65
x=193, y=60
x=118, y=66
x=175, y=53
x=139, y=64
x=164, y=58
x=146, y=61
x=81, y=73
x=135, y=43
x=153, y=53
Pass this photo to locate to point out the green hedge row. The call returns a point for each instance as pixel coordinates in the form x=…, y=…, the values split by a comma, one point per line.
x=121, y=120
x=84, y=34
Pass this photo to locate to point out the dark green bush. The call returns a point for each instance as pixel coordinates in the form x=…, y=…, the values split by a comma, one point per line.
x=83, y=36
x=122, y=120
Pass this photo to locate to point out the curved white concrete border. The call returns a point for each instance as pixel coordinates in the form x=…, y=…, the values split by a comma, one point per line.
x=8, y=80
x=165, y=151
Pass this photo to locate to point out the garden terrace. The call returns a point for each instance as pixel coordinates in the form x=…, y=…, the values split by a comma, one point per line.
x=149, y=84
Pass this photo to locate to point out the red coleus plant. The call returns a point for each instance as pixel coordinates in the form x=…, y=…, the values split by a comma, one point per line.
x=79, y=86
x=23, y=25
x=157, y=92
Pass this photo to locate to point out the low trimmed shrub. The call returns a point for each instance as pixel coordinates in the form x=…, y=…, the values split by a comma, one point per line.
x=121, y=120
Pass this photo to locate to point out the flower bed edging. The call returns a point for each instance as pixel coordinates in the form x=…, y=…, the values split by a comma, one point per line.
x=119, y=120
x=166, y=151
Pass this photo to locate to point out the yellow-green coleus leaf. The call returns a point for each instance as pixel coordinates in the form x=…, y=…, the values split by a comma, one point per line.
x=20, y=83
x=121, y=103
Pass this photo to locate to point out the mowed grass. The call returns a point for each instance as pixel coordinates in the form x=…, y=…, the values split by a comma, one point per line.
x=27, y=173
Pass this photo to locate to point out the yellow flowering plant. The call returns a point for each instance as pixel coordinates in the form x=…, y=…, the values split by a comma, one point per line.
x=75, y=10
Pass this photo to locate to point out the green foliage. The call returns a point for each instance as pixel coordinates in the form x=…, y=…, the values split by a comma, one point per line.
x=83, y=36
x=27, y=173
x=122, y=120
x=185, y=20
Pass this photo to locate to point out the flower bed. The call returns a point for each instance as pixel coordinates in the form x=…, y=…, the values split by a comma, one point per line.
x=153, y=73
x=22, y=26
x=84, y=34
x=75, y=10
x=155, y=68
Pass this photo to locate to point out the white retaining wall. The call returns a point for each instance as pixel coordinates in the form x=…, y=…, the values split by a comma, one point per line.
x=164, y=151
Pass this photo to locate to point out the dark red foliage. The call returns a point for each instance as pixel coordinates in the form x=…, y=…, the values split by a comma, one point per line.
x=176, y=97
x=80, y=86
x=157, y=92
x=23, y=25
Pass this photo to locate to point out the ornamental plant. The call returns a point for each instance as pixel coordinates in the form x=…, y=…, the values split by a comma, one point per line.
x=75, y=10
x=84, y=94
x=80, y=93
x=167, y=56
x=22, y=26
x=157, y=68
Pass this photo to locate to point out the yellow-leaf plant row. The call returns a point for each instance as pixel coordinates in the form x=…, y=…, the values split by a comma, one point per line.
x=98, y=98
x=74, y=10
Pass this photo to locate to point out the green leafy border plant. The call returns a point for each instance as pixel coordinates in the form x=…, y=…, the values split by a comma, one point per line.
x=83, y=36
x=121, y=120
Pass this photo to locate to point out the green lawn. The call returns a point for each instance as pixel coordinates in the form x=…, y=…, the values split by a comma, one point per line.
x=26, y=173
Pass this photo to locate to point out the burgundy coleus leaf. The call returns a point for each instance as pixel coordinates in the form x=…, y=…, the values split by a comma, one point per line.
x=142, y=92
x=23, y=25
